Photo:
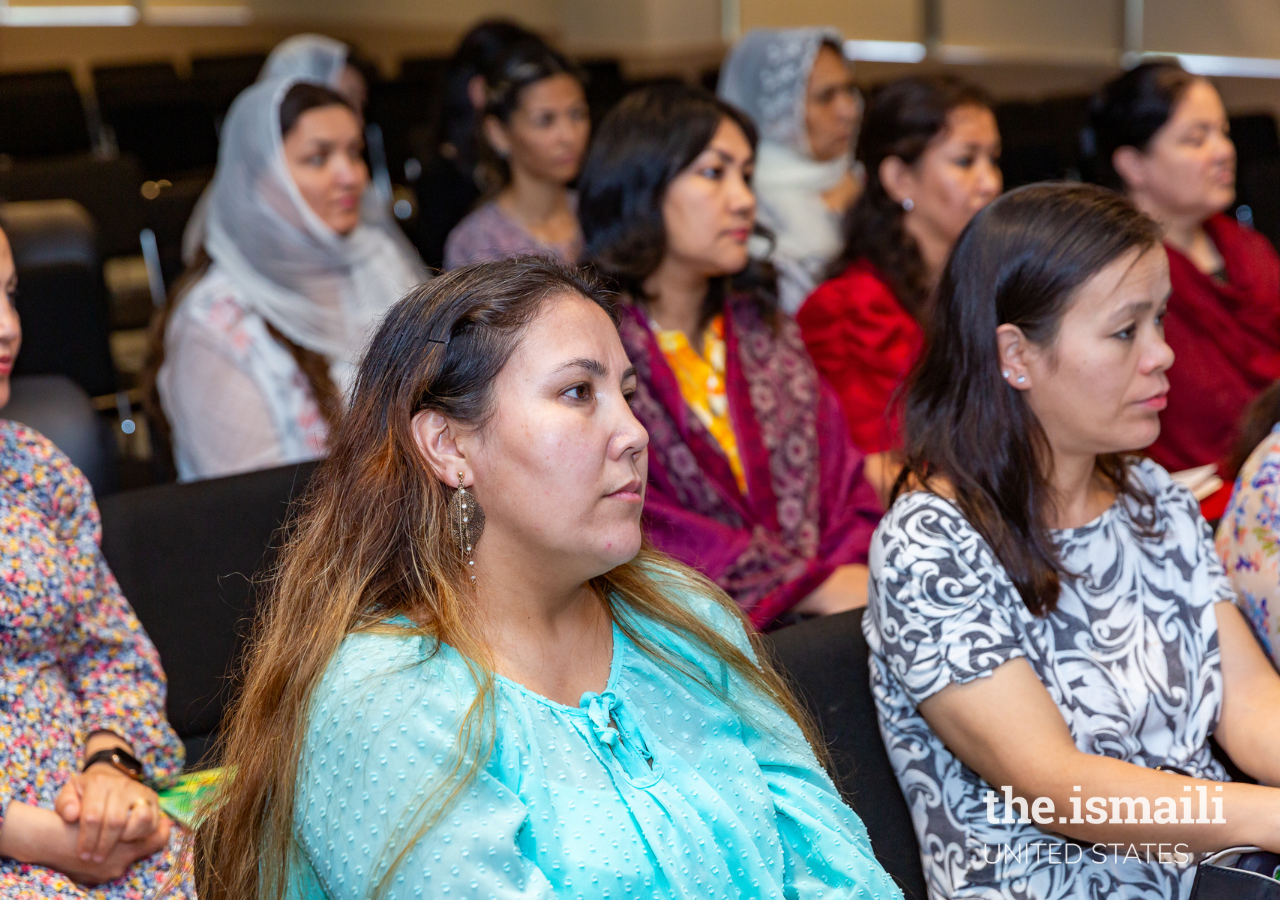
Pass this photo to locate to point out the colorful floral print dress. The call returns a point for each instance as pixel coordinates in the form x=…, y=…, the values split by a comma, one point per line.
x=73, y=660
x=1249, y=541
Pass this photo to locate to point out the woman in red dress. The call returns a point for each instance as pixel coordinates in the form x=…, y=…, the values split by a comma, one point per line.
x=1162, y=136
x=931, y=150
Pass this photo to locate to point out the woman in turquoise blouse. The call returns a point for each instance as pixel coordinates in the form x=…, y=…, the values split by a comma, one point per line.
x=499, y=691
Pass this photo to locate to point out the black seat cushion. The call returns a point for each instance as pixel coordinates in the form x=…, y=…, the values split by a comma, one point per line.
x=186, y=557
x=826, y=661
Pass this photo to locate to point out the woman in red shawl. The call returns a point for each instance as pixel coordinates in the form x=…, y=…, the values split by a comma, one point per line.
x=752, y=478
x=1164, y=134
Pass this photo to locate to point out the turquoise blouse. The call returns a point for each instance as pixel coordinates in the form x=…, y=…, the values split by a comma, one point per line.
x=651, y=788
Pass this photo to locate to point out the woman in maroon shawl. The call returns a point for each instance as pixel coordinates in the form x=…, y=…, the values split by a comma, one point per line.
x=752, y=477
x=1164, y=134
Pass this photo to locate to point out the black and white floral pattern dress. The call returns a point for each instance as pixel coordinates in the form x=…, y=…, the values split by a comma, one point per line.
x=1130, y=657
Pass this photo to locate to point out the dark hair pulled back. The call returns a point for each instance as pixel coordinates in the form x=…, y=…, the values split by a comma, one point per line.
x=1018, y=262
x=476, y=55
x=524, y=63
x=1128, y=111
x=902, y=119
x=644, y=142
x=304, y=97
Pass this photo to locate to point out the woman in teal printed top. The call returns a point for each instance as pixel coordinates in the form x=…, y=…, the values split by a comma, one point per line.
x=524, y=702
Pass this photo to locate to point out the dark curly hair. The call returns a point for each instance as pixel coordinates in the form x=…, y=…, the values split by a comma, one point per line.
x=902, y=119
x=644, y=142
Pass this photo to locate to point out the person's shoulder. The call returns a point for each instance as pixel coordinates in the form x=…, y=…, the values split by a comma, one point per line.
x=858, y=287
x=32, y=464
x=475, y=235
x=1254, y=241
x=1170, y=497
x=215, y=303
x=385, y=653
x=689, y=590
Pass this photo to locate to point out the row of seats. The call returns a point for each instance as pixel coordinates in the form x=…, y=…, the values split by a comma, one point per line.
x=191, y=560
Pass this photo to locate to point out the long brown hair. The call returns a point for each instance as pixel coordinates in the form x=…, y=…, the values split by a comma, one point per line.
x=370, y=543
x=1020, y=262
x=302, y=97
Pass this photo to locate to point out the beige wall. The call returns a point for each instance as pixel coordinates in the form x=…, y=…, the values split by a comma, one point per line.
x=1034, y=29
x=866, y=20
x=1217, y=27
x=1032, y=47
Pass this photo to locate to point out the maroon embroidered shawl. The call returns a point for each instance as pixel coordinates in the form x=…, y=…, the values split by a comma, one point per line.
x=808, y=508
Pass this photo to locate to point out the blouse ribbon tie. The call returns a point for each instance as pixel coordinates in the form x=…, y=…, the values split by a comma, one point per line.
x=600, y=709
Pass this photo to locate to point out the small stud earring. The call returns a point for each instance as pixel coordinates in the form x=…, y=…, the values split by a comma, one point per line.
x=1004, y=374
x=908, y=204
x=1022, y=379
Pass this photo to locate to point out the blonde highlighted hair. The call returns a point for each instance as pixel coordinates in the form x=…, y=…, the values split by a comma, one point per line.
x=369, y=543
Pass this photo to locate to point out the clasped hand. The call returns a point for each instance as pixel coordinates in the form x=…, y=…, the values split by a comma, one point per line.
x=103, y=823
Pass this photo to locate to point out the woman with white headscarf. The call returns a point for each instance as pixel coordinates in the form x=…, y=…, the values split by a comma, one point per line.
x=797, y=87
x=254, y=353
x=323, y=60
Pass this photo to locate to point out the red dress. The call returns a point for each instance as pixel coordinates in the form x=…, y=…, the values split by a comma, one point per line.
x=1226, y=339
x=864, y=343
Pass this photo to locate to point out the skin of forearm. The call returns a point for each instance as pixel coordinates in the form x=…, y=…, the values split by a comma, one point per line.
x=1251, y=737
x=26, y=831
x=1250, y=814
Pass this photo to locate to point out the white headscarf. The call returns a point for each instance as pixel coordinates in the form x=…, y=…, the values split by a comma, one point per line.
x=767, y=76
x=322, y=290
x=310, y=57
x=321, y=60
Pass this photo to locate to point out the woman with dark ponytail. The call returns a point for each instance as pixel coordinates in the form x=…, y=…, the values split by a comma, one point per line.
x=1049, y=622
x=1162, y=136
x=931, y=151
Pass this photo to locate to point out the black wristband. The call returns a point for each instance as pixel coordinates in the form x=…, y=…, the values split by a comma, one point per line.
x=117, y=757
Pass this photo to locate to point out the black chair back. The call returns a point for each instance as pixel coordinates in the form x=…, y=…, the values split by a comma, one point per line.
x=43, y=115
x=107, y=188
x=61, y=410
x=186, y=556
x=826, y=660
x=61, y=297
x=158, y=117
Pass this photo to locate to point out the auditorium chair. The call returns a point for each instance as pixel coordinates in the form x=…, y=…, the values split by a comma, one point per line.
x=406, y=111
x=61, y=300
x=43, y=115
x=826, y=662
x=107, y=188
x=187, y=557
x=58, y=408
x=218, y=80
x=1041, y=139
x=158, y=117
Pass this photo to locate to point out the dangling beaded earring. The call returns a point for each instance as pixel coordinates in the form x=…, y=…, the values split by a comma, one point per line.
x=466, y=520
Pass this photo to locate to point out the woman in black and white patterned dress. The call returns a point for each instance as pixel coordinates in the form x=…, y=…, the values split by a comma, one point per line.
x=1048, y=619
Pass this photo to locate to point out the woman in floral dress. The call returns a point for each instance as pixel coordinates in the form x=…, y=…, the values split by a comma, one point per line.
x=80, y=683
x=1249, y=535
